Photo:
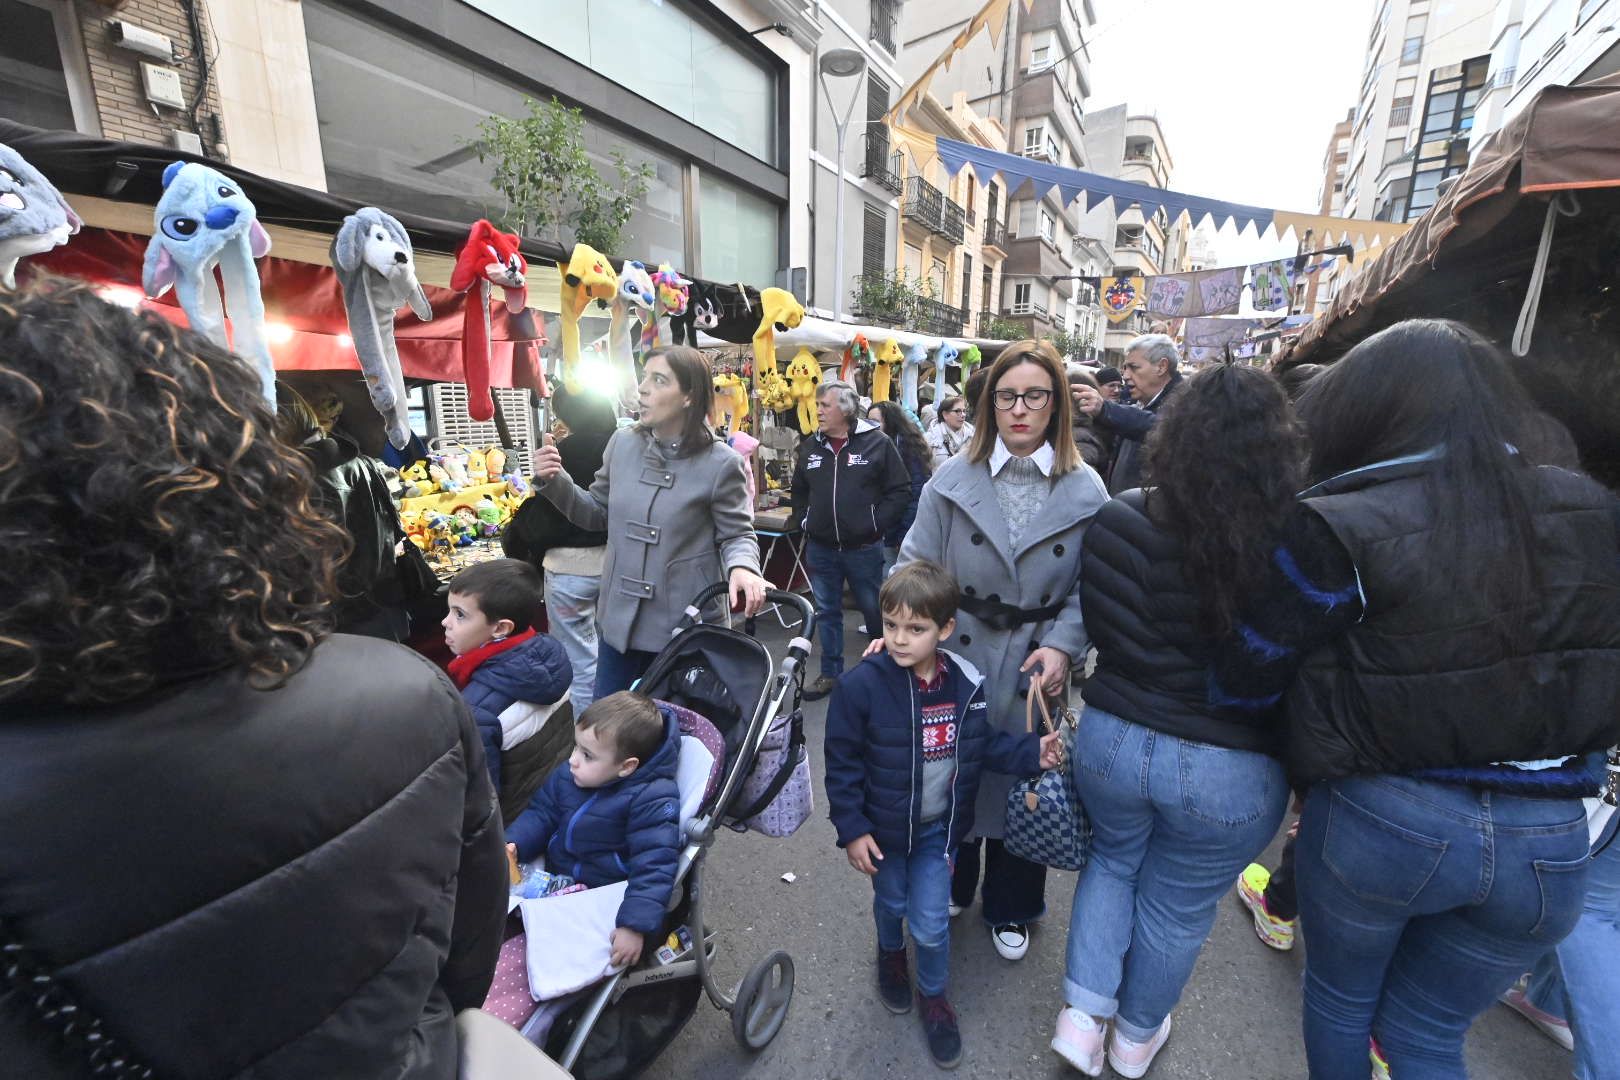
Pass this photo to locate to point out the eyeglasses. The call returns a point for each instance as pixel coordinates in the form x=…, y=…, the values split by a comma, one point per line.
x=1034, y=400
x=957, y=410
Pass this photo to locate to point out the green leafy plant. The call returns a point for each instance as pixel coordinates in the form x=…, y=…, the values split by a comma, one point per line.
x=545, y=175
x=1071, y=345
x=999, y=329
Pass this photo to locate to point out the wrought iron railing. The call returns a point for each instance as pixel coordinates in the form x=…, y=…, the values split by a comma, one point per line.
x=881, y=165
x=927, y=205
x=885, y=20
x=934, y=317
x=995, y=234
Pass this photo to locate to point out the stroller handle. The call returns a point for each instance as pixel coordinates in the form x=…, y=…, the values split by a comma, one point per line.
x=807, y=612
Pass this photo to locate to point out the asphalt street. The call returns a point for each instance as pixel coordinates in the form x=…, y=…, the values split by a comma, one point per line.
x=1239, y=1016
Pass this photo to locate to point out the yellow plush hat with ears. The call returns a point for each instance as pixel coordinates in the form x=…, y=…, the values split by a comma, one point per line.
x=804, y=377
x=884, y=357
x=778, y=310
x=587, y=276
x=730, y=401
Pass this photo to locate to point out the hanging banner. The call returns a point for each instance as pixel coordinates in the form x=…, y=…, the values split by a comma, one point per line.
x=1273, y=283
x=1203, y=292
x=1214, y=332
x=1120, y=297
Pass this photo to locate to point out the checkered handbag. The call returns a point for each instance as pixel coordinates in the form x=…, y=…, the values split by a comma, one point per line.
x=1045, y=822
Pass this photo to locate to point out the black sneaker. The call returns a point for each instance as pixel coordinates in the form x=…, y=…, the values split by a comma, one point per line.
x=894, y=981
x=944, y=1040
x=820, y=688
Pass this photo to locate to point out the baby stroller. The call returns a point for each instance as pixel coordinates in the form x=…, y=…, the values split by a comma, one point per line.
x=619, y=1027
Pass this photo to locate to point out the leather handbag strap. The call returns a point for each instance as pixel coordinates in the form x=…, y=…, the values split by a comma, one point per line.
x=81, y=1034
x=1037, y=694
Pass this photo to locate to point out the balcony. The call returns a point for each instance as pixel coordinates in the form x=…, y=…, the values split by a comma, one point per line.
x=934, y=317
x=1059, y=322
x=885, y=21
x=995, y=235
x=1400, y=116
x=927, y=206
x=1026, y=308
x=879, y=164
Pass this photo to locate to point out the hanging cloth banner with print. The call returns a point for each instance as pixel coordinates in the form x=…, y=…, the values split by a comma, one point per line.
x=1214, y=333
x=1272, y=283
x=1204, y=292
x=1120, y=297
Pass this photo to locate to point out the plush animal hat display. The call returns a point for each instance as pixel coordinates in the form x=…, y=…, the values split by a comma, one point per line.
x=857, y=353
x=804, y=379
x=488, y=258
x=34, y=218
x=910, y=376
x=970, y=358
x=702, y=313
x=377, y=268
x=673, y=293
x=637, y=297
x=587, y=276
x=778, y=310
x=944, y=357
x=202, y=221
x=730, y=401
x=883, y=360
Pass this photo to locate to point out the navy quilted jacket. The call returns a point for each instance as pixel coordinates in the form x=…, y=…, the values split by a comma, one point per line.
x=626, y=830
x=874, y=761
x=536, y=672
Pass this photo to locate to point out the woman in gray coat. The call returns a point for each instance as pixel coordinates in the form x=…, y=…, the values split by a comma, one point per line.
x=674, y=502
x=1005, y=516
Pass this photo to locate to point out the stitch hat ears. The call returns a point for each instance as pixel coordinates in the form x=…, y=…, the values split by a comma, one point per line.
x=169, y=171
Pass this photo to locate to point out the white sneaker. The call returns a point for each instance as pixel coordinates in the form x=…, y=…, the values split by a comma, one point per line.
x=1011, y=940
x=1132, y=1059
x=1079, y=1041
x=954, y=909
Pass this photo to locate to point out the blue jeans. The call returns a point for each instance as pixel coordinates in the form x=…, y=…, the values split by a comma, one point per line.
x=916, y=888
x=1579, y=981
x=1420, y=903
x=571, y=612
x=617, y=670
x=829, y=568
x=1173, y=824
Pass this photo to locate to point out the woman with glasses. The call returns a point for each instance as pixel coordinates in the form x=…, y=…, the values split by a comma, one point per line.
x=1006, y=516
x=951, y=432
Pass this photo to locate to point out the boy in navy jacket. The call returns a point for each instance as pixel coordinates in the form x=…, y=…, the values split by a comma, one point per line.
x=612, y=812
x=907, y=736
x=510, y=675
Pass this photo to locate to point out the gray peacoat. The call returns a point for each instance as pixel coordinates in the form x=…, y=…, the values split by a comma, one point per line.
x=960, y=526
x=674, y=525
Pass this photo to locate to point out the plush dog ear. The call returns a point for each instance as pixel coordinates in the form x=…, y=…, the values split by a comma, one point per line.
x=346, y=252
x=168, y=173
x=419, y=303
x=158, y=271
x=258, y=240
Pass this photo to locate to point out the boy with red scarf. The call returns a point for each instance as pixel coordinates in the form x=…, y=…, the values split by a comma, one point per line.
x=508, y=672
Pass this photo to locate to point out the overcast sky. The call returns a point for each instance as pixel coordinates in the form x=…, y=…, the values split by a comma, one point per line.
x=1247, y=94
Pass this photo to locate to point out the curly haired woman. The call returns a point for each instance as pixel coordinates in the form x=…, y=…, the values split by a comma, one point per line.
x=234, y=843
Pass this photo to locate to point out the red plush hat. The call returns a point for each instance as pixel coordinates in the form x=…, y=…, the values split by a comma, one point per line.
x=489, y=257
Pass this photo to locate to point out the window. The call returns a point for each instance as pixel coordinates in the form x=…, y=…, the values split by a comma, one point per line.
x=1035, y=140
x=885, y=20
x=1041, y=52
x=874, y=241
x=967, y=283
x=1021, y=295
x=1400, y=112
x=1412, y=50
x=936, y=278
x=1048, y=226
x=739, y=233
x=1393, y=149
x=43, y=79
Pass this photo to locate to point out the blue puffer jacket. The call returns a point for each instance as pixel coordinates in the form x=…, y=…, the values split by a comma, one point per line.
x=626, y=830
x=874, y=758
x=534, y=673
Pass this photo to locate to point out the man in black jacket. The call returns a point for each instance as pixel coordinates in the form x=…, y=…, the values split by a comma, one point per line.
x=1150, y=374
x=849, y=489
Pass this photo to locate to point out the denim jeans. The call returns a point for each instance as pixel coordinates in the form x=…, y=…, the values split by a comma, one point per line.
x=829, y=569
x=916, y=887
x=1420, y=903
x=571, y=610
x=1580, y=980
x=617, y=670
x=1173, y=824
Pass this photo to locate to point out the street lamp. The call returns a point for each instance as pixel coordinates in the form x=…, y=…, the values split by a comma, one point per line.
x=840, y=64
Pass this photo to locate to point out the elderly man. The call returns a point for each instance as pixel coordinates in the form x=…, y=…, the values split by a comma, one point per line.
x=1151, y=376
x=849, y=489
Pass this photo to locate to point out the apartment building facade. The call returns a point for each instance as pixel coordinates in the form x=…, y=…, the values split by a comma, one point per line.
x=1319, y=288
x=1539, y=43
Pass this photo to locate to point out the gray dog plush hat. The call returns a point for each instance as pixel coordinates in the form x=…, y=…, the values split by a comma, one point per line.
x=34, y=218
x=377, y=269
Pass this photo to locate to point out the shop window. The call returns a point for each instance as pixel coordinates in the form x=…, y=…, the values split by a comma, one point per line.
x=43, y=79
x=740, y=233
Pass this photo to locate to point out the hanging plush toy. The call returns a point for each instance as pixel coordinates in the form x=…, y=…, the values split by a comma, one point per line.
x=702, y=313
x=377, y=269
x=778, y=310
x=804, y=376
x=857, y=353
x=910, y=376
x=488, y=258
x=730, y=401
x=587, y=276
x=673, y=293
x=34, y=218
x=888, y=354
x=202, y=221
x=970, y=359
x=774, y=392
x=944, y=357
x=636, y=297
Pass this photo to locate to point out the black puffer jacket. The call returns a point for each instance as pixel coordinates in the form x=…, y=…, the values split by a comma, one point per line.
x=1154, y=666
x=302, y=882
x=1420, y=684
x=350, y=487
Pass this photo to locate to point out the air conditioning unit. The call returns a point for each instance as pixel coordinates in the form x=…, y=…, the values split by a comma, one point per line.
x=126, y=35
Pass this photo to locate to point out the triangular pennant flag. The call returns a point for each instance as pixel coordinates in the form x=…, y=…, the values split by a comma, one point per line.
x=1094, y=196
x=1069, y=193
x=995, y=19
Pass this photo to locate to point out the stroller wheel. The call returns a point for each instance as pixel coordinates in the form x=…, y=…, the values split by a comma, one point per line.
x=762, y=1001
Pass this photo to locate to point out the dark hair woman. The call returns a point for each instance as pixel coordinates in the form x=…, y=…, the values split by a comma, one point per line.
x=919, y=463
x=570, y=556
x=1443, y=847
x=674, y=503
x=189, y=760
x=1197, y=589
x=950, y=431
x=1006, y=517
